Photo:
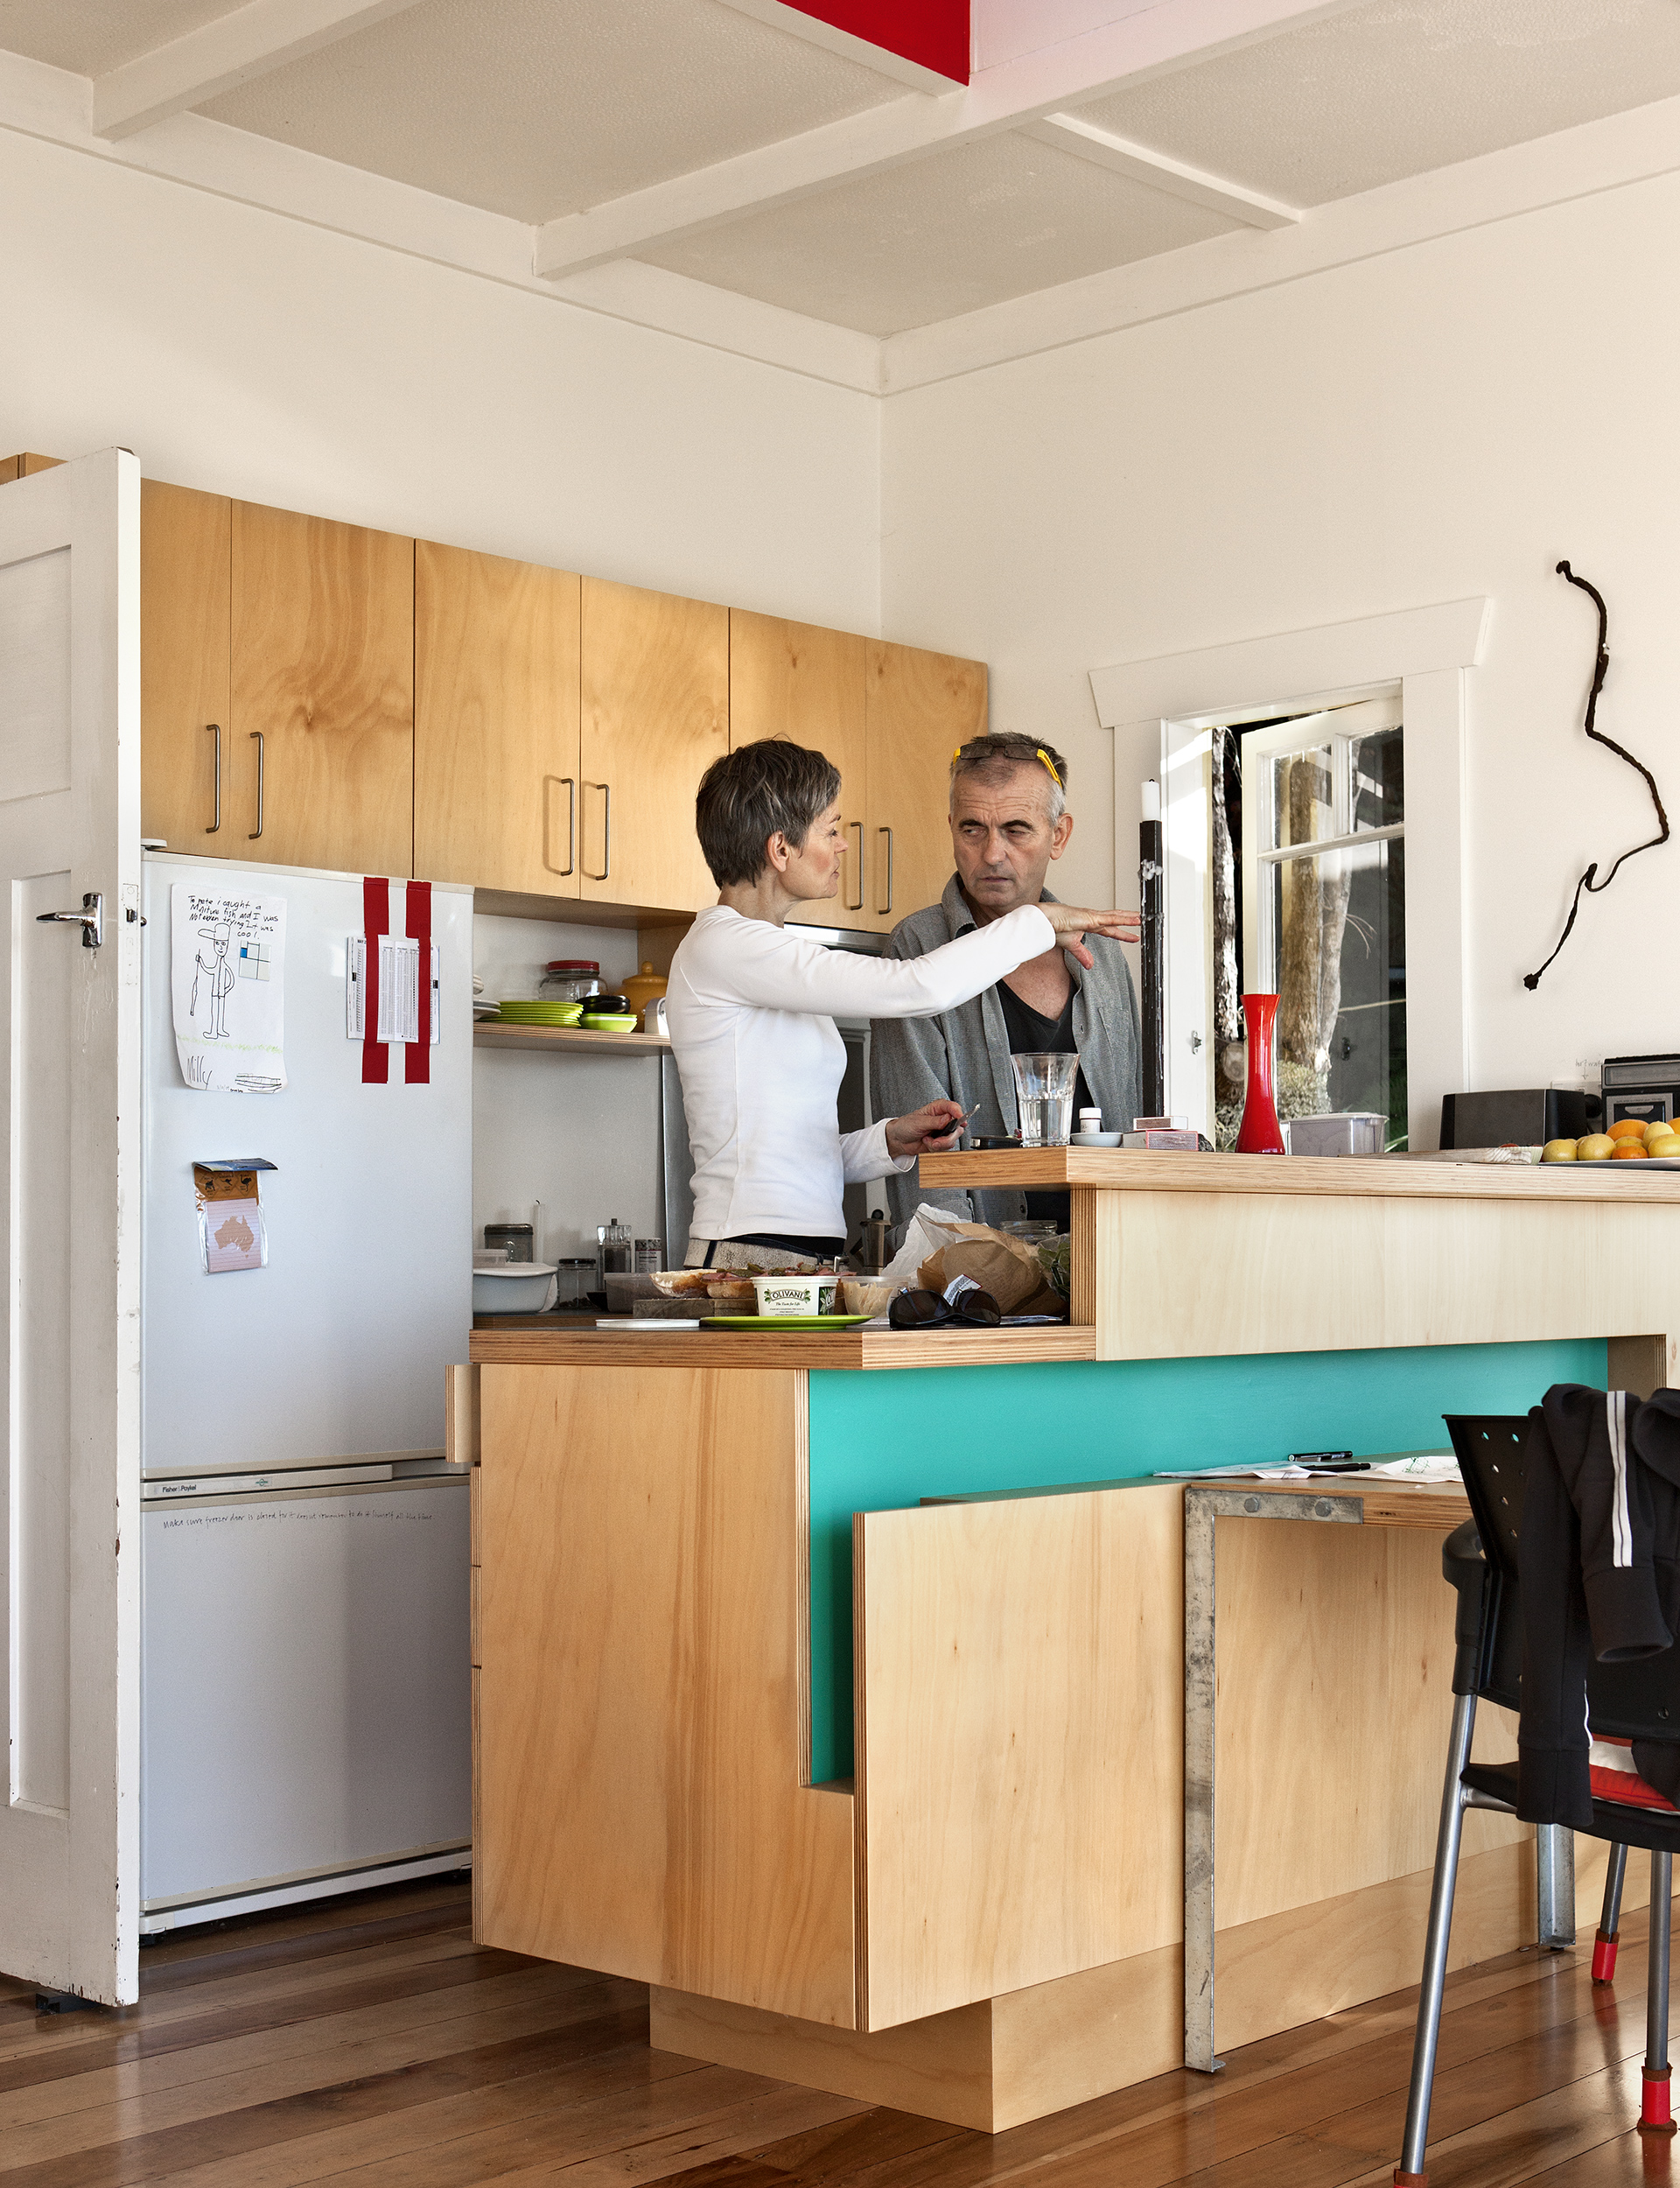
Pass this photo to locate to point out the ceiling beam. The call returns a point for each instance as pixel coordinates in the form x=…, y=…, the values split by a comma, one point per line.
x=1148, y=37
x=1070, y=133
x=847, y=43
x=235, y=48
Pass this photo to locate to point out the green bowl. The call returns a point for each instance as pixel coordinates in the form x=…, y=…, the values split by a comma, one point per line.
x=610, y=1022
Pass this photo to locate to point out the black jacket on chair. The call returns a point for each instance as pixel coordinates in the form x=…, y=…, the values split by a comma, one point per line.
x=1600, y=1566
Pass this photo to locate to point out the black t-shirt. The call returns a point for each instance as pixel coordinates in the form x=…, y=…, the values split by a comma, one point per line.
x=1032, y=1035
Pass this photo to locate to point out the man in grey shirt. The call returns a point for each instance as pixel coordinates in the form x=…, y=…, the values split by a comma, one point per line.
x=1009, y=820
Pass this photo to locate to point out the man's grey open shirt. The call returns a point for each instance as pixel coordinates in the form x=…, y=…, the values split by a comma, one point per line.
x=964, y=1054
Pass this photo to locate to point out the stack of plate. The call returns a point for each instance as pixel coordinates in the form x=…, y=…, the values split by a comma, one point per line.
x=518, y=1010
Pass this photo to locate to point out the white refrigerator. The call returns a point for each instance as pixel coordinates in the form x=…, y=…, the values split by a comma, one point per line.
x=305, y=1682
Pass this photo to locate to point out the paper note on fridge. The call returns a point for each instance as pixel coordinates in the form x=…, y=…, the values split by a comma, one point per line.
x=227, y=980
x=399, y=989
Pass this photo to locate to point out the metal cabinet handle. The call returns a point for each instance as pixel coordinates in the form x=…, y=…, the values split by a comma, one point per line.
x=214, y=729
x=570, y=783
x=887, y=907
x=605, y=789
x=90, y=919
x=256, y=737
x=858, y=906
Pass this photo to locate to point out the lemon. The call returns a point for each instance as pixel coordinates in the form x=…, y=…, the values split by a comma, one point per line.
x=1557, y=1150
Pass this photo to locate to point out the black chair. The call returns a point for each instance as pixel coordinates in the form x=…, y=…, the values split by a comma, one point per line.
x=1625, y=1702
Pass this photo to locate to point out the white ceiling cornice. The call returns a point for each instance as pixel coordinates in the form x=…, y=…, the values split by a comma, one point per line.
x=1573, y=163
x=189, y=150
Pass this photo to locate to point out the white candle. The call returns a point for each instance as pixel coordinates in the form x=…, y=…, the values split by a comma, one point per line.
x=1151, y=800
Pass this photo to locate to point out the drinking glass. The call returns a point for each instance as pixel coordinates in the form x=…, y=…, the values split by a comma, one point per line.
x=1044, y=1092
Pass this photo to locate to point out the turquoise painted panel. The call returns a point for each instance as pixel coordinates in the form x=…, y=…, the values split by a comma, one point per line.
x=885, y=1440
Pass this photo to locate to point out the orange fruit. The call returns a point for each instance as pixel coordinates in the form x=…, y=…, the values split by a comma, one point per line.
x=1629, y=1128
x=1629, y=1150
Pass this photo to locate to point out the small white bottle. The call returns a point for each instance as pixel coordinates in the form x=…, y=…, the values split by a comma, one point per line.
x=1090, y=1120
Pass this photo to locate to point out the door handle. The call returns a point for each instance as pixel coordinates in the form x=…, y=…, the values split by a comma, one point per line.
x=605, y=789
x=571, y=785
x=887, y=907
x=214, y=729
x=90, y=919
x=858, y=906
x=256, y=739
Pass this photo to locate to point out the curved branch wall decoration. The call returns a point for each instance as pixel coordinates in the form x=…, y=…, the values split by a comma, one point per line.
x=1588, y=883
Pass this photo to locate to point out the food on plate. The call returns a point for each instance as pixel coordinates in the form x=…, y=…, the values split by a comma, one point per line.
x=1557, y=1150
x=1667, y=1147
x=1627, y=1129
x=1629, y=1151
x=1596, y=1147
x=1659, y=1128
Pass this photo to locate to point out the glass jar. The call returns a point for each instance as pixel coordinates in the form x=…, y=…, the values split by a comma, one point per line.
x=570, y=979
x=617, y=1250
x=573, y=1280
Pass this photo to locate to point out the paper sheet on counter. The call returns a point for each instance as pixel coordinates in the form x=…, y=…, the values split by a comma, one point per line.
x=1417, y=1466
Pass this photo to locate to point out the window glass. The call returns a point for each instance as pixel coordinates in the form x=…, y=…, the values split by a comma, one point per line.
x=1340, y=923
x=1379, y=780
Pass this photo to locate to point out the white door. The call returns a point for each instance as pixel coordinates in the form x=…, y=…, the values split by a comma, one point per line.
x=70, y=1125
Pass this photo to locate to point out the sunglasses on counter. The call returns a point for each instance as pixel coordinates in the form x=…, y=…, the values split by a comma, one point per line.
x=926, y=1310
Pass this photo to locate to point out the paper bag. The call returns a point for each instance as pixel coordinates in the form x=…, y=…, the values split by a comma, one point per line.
x=1005, y=1266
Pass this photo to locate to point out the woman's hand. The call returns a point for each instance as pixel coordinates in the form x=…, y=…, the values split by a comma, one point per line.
x=929, y=1130
x=1072, y=924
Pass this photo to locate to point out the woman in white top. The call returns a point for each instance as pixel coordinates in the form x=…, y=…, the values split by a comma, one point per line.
x=751, y=1005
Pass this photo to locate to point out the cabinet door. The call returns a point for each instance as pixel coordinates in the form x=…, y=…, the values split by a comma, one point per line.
x=919, y=707
x=495, y=722
x=194, y=785
x=656, y=715
x=798, y=681
x=322, y=671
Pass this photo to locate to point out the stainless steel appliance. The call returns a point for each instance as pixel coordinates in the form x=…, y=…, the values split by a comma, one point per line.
x=1645, y=1087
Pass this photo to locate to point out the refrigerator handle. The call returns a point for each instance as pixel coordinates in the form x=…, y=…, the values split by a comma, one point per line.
x=256, y=739
x=214, y=729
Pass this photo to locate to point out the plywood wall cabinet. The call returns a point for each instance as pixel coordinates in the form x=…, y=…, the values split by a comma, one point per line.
x=919, y=707
x=496, y=754
x=656, y=715
x=322, y=671
x=196, y=777
x=800, y=682
x=26, y=465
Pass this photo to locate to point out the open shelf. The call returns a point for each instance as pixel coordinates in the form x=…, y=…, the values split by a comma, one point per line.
x=566, y=1041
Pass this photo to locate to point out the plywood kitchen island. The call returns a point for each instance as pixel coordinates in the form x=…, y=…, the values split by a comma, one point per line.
x=889, y=1798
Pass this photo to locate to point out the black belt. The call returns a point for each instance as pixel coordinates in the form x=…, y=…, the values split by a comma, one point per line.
x=781, y=1242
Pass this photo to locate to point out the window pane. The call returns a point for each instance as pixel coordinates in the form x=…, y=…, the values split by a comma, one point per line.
x=1303, y=798
x=1340, y=921
x=1379, y=780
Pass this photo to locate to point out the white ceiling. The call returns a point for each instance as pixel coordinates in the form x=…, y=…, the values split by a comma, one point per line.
x=988, y=220
x=537, y=110
x=1399, y=86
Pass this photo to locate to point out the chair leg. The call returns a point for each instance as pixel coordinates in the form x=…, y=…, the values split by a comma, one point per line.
x=1656, y=2116
x=1410, y=2173
x=1604, y=1946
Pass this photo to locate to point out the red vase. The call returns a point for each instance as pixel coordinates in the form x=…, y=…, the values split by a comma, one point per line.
x=1260, y=1133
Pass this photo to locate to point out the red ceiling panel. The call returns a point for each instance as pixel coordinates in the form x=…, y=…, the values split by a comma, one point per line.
x=933, y=33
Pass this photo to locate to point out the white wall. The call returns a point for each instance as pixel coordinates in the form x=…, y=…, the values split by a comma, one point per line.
x=1444, y=421
x=235, y=350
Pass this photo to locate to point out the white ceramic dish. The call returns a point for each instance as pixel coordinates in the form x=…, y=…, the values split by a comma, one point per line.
x=1096, y=1139
x=519, y=1288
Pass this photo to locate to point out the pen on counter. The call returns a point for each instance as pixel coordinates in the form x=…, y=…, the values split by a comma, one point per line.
x=1331, y=1462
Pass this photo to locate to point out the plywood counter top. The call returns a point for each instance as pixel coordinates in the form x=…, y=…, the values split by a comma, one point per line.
x=532, y=1346
x=1380, y=1177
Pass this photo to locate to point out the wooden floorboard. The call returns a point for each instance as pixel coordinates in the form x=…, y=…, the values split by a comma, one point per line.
x=368, y=2043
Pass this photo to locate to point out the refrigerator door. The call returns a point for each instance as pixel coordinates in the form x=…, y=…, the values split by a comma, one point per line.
x=336, y=1348
x=306, y=1691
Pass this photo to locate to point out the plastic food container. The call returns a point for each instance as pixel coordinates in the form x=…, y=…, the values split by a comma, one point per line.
x=518, y=1287
x=811, y=1295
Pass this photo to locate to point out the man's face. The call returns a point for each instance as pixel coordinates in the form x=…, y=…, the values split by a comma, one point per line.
x=1003, y=837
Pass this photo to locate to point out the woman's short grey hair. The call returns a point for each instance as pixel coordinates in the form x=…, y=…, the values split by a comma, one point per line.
x=765, y=789
x=994, y=757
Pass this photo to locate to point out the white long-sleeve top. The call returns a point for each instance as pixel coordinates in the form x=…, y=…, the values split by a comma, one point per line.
x=751, y=1009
